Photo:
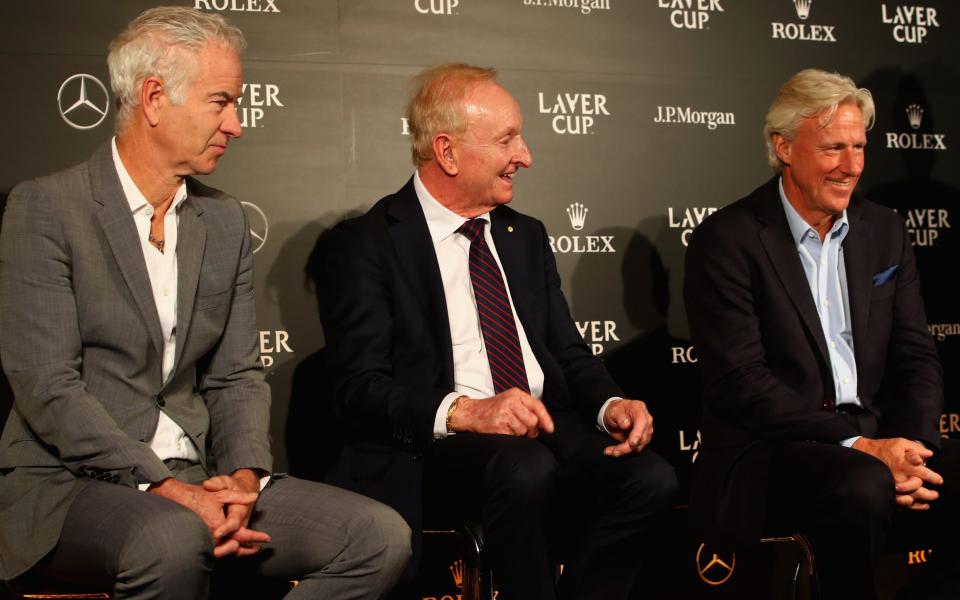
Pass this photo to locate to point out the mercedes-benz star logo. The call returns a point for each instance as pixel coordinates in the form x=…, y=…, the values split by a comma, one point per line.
x=258, y=225
x=87, y=101
x=715, y=571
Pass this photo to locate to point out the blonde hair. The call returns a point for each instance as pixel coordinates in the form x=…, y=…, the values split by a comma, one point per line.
x=163, y=42
x=437, y=104
x=809, y=93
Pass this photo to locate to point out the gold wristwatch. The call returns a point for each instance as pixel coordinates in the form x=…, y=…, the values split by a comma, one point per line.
x=450, y=410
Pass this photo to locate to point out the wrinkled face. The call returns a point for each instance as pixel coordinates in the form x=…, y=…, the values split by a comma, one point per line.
x=823, y=163
x=491, y=150
x=195, y=134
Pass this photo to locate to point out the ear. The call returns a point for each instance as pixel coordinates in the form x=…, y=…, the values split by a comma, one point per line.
x=152, y=97
x=445, y=154
x=781, y=146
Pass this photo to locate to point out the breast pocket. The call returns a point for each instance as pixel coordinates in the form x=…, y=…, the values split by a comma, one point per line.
x=209, y=301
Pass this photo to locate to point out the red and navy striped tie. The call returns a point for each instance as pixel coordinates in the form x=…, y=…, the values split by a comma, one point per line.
x=496, y=316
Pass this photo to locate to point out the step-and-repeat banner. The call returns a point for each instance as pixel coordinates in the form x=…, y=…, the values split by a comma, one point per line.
x=642, y=116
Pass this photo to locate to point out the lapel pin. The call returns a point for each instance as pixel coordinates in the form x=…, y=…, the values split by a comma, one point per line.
x=510, y=228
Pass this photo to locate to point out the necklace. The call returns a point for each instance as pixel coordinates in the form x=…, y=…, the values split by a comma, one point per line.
x=158, y=244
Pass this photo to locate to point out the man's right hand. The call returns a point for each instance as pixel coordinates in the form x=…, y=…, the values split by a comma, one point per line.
x=907, y=461
x=206, y=506
x=512, y=412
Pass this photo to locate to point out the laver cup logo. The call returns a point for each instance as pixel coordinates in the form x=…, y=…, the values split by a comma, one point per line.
x=436, y=7
x=574, y=113
x=925, y=224
x=911, y=24
x=687, y=219
x=690, y=14
x=255, y=100
x=83, y=101
x=803, y=31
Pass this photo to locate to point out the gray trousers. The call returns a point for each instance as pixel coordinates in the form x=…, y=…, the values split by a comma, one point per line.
x=336, y=543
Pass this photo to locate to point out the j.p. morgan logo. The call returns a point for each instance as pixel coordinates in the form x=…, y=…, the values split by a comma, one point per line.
x=690, y=14
x=940, y=331
x=688, y=219
x=915, y=140
x=911, y=24
x=83, y=101
x=803, y=31
x=710, y=119
x=584, y=6
x=264, y=6
x=573, y=113
x=580, y=244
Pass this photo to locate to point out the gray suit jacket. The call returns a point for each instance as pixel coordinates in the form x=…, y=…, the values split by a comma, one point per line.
x=81, y=344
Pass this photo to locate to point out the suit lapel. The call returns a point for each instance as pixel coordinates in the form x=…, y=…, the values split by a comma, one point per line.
x=120, y=231
x=856, y=250
x=417, y=257
x=778, y=243
x=191, y=238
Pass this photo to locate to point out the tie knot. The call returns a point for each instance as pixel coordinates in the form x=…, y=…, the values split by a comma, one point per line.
x=472, y=229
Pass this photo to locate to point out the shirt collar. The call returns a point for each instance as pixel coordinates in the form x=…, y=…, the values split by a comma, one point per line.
x=135, y=197
x=441, y=221
x=799, y=229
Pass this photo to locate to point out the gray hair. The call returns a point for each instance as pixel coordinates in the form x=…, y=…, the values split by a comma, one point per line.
x=163, y=42
x=437, y=104
x=810, y=93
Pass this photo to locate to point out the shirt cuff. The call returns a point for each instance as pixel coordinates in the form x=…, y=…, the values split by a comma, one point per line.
x=440, y=420
x=849, y=442
x=603, y=409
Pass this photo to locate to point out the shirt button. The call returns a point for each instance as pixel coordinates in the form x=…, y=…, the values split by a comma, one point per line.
x=149, y=211
x=826, y=303
x=166, y=292
x=845, y=380
x=833, y=345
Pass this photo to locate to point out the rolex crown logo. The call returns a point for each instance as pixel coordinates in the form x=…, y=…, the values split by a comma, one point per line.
x=914, y=115
x=803, y=8
x=578, y=215
x=456, y=569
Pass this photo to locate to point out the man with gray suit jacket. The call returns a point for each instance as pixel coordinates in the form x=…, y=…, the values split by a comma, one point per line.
x=137, y=452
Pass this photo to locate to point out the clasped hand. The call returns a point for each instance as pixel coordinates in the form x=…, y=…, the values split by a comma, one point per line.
x=907, y=461
x=224, y=503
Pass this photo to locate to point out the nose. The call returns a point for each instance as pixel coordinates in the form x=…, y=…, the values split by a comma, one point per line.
x=523, y=157
x=231, y=122
x=851, y=161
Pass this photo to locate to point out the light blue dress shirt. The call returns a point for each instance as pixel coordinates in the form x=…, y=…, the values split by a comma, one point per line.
x=824, y=267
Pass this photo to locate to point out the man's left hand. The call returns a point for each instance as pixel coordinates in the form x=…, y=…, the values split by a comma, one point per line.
x=238, y=492
x=629, y=422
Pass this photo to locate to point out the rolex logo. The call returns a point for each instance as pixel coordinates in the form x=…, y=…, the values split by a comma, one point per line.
x=803, y=8
x=456, y=570
x=914, y=115
x=578, y=215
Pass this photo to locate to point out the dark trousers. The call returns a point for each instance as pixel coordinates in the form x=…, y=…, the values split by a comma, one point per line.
x=549, y=500
x=843, y=499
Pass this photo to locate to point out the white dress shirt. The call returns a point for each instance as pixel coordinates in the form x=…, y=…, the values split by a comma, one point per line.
x=471, y=368
x=169, y=440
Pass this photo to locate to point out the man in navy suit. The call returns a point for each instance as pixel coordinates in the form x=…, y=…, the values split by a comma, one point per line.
x=455, y=358
x=823, y=389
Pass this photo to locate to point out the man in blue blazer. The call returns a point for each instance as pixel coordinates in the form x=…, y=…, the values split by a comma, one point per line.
x=455, y=359
x=823, y=389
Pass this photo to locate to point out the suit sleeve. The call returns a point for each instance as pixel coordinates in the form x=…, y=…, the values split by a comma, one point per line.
x=721, y=293
x=231, y=378
x=41, y=348
x=911, y=391
x=357, y=310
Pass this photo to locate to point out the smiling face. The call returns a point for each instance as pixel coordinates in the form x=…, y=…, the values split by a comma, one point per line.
x=823, y=164
x=491, y=150
x=194, y=134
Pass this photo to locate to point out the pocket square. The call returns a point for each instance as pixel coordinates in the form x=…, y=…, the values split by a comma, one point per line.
x=884, y=276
